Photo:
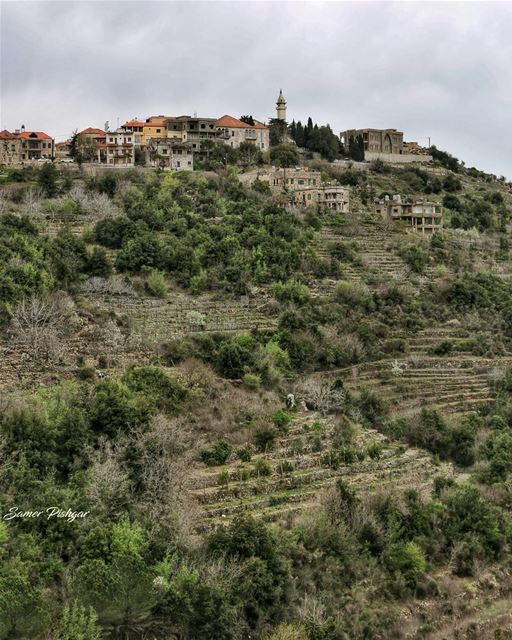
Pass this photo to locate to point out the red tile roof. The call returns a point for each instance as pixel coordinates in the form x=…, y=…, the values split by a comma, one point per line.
x=7, y=135
x=41, y=135
x=92, y=131
x=229, y=122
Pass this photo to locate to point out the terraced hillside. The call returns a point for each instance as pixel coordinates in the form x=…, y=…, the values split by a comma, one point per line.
x=294, y=474
x=154, y=321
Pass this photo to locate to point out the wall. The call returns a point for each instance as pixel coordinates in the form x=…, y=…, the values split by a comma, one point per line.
x=404, y=158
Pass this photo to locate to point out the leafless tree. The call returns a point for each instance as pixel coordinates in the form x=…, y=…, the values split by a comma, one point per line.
x=112, y=337
x=165, y=455
x=109, y=485
x=33, y=202
x=322, y=396
x=39, y=324
x=115, y=285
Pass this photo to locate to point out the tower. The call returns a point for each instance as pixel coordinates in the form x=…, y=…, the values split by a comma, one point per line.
x=281, y=106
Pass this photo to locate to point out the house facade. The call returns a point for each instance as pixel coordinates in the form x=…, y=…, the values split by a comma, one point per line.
x=170, y=153
x=387, y=141
x=10, y=149
x=119, y=148
x=144, y=131
x=233, y=132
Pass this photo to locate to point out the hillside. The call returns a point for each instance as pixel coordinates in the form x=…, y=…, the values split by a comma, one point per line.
x=153, y=325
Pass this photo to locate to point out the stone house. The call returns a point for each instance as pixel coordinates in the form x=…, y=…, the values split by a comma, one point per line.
x=62, y=150
x=388, y=141
x=10, y=148
x=423, y=216
x=170, y=153
x=23, y=147
x=233, y=132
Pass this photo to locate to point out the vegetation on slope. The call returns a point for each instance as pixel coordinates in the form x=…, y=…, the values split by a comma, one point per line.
x=145, y=561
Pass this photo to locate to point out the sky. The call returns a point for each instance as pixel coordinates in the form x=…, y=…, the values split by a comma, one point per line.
x=437, y=70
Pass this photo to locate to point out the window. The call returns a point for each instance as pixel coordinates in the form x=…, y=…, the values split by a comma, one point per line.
x=158, y=130
x=178, y=164
x=203, y=126
x=232, y=133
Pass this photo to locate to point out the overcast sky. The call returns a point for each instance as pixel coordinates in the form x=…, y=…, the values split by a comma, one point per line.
x=442, y=70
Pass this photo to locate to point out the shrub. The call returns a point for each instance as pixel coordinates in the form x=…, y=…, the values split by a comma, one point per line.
x=155, y=283
x=217, y=454
x=264, y=439
x=281, y=419
x=154, y=384
x=262, y=468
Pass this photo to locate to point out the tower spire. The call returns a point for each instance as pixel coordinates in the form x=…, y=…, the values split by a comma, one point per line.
x=281, y=106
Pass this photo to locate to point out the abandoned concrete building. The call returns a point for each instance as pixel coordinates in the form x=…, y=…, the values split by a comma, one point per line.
x=422, y=216
x=330, y=196
x=170, y=153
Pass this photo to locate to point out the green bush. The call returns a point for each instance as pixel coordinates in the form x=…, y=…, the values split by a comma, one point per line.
x=217, y=454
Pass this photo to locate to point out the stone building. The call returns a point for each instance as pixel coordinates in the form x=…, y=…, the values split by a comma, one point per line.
x=10, y=149
x=233, y=132
x=63, y=151
x=329, y=196
x=423, y=216
x=388, y=141
x=170, y=153
x=24, y=147
x=304, y=188
x=290, y=178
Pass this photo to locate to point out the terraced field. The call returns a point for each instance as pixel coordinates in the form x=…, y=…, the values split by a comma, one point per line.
x=300, y=467
x=154, y=321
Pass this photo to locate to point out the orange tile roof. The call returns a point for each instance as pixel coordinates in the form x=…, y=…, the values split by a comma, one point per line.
x=7, y=135
x=41, y=135
x=233, y=123
x=93, y=131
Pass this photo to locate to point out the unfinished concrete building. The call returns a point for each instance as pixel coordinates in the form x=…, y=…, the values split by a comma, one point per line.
x=422, y=216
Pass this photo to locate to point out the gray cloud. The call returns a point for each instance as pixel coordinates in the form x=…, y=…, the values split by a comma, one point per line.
x=431, y=69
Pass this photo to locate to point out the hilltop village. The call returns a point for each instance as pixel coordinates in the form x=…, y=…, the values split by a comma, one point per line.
x=183, y=143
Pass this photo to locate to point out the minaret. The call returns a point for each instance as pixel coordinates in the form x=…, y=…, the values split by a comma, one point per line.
x=281, y=106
